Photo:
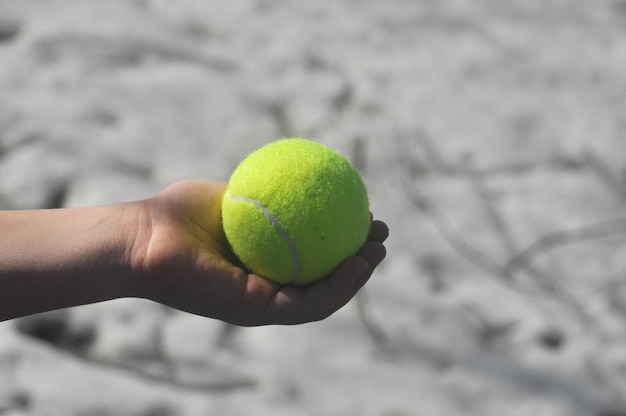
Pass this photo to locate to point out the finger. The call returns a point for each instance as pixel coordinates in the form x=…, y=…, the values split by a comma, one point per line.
x=373, y=253
x=293, y=305
x=325, y=297
x=378, y=231
x=332, y=293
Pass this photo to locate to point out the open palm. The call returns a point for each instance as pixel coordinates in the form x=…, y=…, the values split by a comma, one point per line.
x=187, y=264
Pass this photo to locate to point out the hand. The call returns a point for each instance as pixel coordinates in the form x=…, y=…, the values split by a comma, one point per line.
x=184, y=262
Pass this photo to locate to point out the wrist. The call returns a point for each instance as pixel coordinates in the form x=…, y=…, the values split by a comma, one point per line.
x=149, y=257
x=137, y=231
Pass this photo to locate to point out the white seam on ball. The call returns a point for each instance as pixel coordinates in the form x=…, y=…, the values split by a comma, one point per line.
x=276, y=223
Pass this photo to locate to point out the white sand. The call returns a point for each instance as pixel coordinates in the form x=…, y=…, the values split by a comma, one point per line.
x=479, y=126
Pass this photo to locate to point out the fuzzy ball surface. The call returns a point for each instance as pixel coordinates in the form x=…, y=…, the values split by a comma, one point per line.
x=294, y=210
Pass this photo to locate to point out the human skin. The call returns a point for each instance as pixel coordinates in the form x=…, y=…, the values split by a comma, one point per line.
x=169, y=248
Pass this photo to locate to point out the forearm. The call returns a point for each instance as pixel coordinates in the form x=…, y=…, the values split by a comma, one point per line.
x=51, y=259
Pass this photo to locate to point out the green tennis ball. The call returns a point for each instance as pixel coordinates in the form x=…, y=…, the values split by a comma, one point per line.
x=294, y=210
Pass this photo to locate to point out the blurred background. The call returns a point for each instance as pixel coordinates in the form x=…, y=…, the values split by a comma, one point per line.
x=492, y=138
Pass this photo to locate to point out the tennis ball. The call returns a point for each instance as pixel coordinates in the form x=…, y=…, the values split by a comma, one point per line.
x=294, y=210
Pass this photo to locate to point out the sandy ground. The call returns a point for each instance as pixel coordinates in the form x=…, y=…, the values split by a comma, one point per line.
x=492, y=137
